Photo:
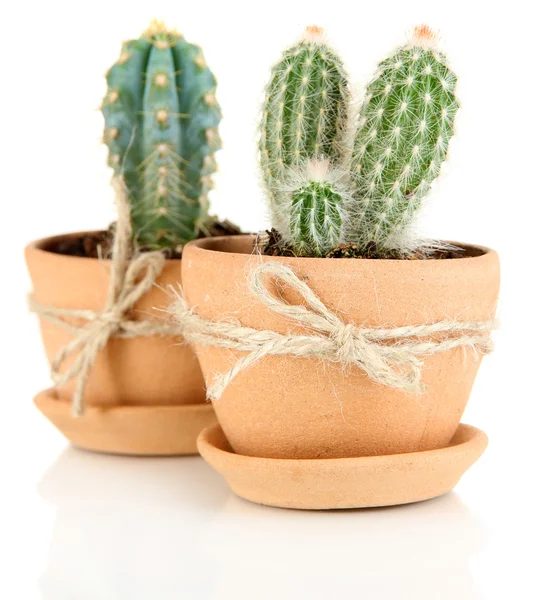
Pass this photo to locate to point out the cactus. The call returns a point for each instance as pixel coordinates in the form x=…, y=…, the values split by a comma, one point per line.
x=318, y=209
x=302, y=137
x=404, y=129
x=326, y=190
x=161, y=118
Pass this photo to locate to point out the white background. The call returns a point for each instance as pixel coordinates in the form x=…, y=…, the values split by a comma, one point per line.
x=81, y=526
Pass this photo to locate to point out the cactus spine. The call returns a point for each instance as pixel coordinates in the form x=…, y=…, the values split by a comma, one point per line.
x=405, y=126
x=302, y=134
x=326, y=189
x=161, y=118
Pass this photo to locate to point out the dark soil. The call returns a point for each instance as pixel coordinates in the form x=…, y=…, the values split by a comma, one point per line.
x=218, y=228
x=86, y=246
x=275, y=246
x=99, y=243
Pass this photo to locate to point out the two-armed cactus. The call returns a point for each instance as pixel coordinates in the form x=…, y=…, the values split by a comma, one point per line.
x=304, y=120
x=161, y=128
x=329, y=185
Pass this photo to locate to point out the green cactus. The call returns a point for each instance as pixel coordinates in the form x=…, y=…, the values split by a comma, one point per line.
x=317, y=212
x=305, y=115
x=161, y=128
x=327, y=190
x=405, y=126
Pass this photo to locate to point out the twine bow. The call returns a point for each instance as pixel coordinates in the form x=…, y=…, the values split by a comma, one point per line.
x=130, y=280
x=389, y=356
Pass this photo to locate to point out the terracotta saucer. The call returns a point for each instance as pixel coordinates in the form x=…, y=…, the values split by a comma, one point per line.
x=344, y=482
x=138, y=430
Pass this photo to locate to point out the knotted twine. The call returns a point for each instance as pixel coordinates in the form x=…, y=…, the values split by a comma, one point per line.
x=130, y=279
x=389, y=356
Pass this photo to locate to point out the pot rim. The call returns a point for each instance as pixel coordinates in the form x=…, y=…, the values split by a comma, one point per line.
x=41, y=245
x=201, y=245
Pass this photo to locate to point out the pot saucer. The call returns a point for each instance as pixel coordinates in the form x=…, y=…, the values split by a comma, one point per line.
x=137, y=430
x=344, y=482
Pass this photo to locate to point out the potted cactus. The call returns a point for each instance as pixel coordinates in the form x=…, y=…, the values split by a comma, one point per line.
x=345, y=377
x=139, y=389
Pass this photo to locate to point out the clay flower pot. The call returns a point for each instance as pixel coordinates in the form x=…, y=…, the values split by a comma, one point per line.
x=284, y=407
x=144, y=395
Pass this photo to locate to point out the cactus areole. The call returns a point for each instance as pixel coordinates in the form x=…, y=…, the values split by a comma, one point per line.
x=331, y=184
x=161, y=128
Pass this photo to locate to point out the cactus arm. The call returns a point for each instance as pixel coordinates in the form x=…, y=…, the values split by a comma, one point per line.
x=316, y=218
x=405, y=126
x=305, y=110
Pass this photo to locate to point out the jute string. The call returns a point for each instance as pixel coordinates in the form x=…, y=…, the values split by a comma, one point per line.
x=389, y=356
x=130, y=280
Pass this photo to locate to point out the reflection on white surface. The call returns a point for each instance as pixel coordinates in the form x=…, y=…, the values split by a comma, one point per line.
x=416, y=551
x=152, y=529
x=126, y=528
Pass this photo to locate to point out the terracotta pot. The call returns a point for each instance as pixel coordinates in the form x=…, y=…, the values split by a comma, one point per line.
x=141, y=372
x=286, y=407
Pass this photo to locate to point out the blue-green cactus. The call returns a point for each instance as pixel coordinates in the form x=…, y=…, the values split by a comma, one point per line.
x=161, y=128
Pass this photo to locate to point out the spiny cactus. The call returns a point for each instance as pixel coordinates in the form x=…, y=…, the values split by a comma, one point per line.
x=318, y=209
x=161, y=118
x=326, y=189
x=303, y=124
x=405, y=126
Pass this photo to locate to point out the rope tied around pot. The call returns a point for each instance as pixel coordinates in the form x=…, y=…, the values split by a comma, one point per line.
x=130, y=279
x=389, y=356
